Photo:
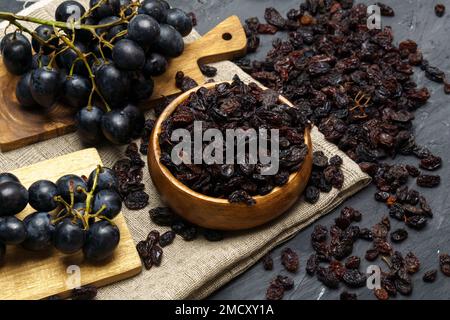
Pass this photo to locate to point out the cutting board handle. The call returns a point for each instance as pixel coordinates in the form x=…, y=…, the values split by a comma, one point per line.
x=226, y=41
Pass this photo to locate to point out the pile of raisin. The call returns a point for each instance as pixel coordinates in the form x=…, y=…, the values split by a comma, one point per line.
x=84, y=293
x=405, y=204
x=183, y=82
x=280, y=284
x=150, y=249
x=236, y=106
x=353, y=83
x=145, y=137
x=356, y=86
x=332, y=249
x=325, y=175
x=130, y=173
x=333, y=263
x=164, y=217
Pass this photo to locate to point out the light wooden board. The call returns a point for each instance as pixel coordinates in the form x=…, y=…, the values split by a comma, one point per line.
x=31, y=275
x=20, y=127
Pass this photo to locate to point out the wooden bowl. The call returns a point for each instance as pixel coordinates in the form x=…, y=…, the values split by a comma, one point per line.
x=218, y=213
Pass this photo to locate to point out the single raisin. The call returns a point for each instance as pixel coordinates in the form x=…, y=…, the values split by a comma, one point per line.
x=289, y=259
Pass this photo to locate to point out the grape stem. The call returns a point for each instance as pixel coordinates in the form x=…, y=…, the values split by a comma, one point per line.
x=83, y=58
x=89, y=200
x=90, y=196
x=13, y=18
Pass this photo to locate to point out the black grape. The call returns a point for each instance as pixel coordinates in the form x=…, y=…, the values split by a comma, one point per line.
x=126, y=3
x=107, y=9
x=111, y=32
x=39, y=61
x=45, y=86
x=128, y=55
x=23, y=91
x=137, y=118
x=45, y=33
x=12, y=231
x=42, y=195
x=155, y=9
x=144, y=30
x=40, y=230
x=64, y=186
x=69, y=9
x=155, y=65
x=106, y=180
x=13, y=198
x=8, y=177
x=165, y=4
x=17, y=56
x=101, y=241
x=170, y=42
x=178, y=19
x=112, y=202
x=117, y=127
x=88, y=124
x=113, y=84
x=141, y=88
x=11, y=37
x=66, y=59
x=68, y=237
x=76, y=90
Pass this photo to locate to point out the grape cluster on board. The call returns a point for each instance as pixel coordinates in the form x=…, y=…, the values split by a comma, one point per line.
x=99, y=61
x=73, y=214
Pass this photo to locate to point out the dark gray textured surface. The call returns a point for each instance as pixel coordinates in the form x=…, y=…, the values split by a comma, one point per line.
x=415, y=19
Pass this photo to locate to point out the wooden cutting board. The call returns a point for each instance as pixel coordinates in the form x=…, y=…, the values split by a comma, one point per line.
x=19, y=127
x=31, y=275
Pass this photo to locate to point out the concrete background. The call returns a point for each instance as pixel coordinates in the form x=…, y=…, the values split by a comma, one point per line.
x=414, y=19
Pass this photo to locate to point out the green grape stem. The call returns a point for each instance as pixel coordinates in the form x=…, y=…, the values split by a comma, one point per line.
x=90, y=197
x=70, y=212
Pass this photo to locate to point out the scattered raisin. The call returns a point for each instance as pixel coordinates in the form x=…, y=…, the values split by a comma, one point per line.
x=439, y=9
x=208, y=71
x=289, y=259
x=275, y=292
x=444, y=263
x=166, y=238
x=136, y=200
x=183, y=82
x=348, y=296
x=371, y=254
x=430, y=276
x=352, y=262
x=399, y=235
x=267, y=262
x=84, y=293
x=162, y=216
x=156, y=254
x=213, y=235
x=381, y=294
x=286, y=282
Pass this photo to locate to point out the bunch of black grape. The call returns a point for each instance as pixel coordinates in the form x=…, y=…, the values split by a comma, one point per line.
x=72, y=214
x=99, y=61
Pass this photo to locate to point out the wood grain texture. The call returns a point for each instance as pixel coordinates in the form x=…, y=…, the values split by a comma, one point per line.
x=20, y=127
x=32, y=275
x=216, y=213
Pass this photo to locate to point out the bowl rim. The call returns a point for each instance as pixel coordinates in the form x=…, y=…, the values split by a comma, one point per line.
x=154, y=140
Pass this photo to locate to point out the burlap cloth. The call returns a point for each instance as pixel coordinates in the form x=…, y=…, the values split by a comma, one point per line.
x=192, y=270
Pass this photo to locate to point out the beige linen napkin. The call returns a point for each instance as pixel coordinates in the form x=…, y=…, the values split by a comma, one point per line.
x=193, y=270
